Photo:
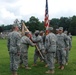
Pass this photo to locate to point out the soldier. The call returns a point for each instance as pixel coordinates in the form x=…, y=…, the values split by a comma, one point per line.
x=39, y=42
x=70, y=41
x=50, y=49
x=43, y=43
x=56, y=56
x=67, y=51
x=14, y=49
x=70, y=36
x=62, y=45
x=25, y=42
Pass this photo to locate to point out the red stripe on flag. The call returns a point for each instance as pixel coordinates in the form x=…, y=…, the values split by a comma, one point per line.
x=46, y=20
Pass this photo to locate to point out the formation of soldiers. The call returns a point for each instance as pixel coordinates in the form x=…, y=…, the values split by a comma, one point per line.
x=49, y=48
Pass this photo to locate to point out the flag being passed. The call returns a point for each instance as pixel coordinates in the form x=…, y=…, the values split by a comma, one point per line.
x=46, y=20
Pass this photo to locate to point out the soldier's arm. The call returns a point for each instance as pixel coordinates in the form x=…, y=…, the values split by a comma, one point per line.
x=35, y=40
x=18, y=42
x=70, y=43
x=66, y=40
x=30, y=42
x=8, y=43
x=47, y=43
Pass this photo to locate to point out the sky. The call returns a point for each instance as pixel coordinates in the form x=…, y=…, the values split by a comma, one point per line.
x=24, y=9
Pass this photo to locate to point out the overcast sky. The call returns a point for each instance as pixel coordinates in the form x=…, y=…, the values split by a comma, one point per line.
x=24, y=9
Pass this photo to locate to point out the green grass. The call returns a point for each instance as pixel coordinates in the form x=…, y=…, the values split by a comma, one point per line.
x=40, y=69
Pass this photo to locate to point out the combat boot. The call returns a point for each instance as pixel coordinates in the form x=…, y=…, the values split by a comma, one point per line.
x=28, y=68
x=12, y=73
x=50, y=72
x=62, y=68
x=34, y=65
x=15, y=73
x=46, y=65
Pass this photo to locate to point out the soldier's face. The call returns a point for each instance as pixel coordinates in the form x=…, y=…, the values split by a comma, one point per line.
x=17, y=28
x=28, y=35
x=57, y=31
x=60, y=31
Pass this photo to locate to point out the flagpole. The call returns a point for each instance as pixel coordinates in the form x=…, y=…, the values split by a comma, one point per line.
x=46, y=20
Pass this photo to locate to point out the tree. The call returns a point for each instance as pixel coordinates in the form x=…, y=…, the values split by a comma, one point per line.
x=34, y=24
x=72, y=27
x=1, y=29
x=54, y=22
x=64, y=22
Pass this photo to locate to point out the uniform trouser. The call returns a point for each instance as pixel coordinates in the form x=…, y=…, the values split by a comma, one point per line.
x=61, y=57
x=24, y=58
x=36, y=55
x=67, y=55
x=43, y=54
x=50, y=60
x=56, y=56
x=14, y=61
x=45, y=58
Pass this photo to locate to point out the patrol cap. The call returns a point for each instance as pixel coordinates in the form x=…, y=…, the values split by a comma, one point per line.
x=50, y=28
x=65, y=32
x=14, y=25
x=26, y=32
x=60, y=28
x=41, y=31
x=57, y=29
x=37, y=32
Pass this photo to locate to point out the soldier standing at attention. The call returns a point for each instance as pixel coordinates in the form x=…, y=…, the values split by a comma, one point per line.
x=70, y=36
x=68, y=50
x=25, y=42
x=50, y=45
x=62, y=45
x=14, y=49
x=56, y=55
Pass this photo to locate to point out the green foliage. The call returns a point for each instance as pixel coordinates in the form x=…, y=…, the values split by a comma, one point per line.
x=1, y=29
x=34, y=24
x=68, y=23
x=70, y=69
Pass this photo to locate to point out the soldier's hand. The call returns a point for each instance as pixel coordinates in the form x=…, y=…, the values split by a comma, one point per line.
x=67, y=48
x=18, y=53
x=34, y=44
x=44, y=51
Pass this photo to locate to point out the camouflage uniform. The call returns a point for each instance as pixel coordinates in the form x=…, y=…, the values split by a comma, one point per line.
x=67, y=51
x=62, y=44
x=70, y=36
x=56, y=55
x=51, y=49
x=43, y=45
x=50, y=45
x=46, y=48
x=14, y=49
x=70, y=43
x=39, y=42
x=25, y=42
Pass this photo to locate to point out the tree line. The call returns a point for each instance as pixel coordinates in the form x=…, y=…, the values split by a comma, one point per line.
x=68, y=23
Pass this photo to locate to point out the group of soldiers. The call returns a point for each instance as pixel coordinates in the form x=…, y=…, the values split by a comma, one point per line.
x=49, y=48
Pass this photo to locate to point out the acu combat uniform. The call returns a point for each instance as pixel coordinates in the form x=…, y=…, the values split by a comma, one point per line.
x=14, y=49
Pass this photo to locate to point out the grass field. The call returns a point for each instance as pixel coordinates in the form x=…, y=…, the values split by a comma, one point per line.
x=70, y=69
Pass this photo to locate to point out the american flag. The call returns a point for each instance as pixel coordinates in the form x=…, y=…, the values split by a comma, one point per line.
x=46, y=20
